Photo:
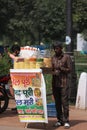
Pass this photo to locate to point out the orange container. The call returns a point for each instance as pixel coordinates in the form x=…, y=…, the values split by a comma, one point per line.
x=39, y=63
x=32, y=63
x=19, y=63
x=26, y=64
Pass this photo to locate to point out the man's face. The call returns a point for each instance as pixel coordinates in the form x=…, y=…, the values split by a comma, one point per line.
x=58, y=51
x=16, y=53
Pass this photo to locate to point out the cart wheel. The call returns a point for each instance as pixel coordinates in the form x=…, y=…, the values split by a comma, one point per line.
x=4, y=100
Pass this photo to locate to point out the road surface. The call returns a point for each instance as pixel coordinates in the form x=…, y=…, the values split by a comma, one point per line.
x=9, y=120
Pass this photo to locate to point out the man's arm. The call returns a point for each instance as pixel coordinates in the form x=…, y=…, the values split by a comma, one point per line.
x=68, y=67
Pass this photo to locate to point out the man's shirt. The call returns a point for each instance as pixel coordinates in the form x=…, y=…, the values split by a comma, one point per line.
x=62, y=66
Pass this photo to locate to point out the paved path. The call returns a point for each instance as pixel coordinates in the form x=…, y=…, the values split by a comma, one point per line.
x=9, y=120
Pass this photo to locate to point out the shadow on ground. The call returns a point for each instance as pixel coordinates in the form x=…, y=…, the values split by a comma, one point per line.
x=8, y=113
x=49, y=126
x=42, y=126
x=76, y=122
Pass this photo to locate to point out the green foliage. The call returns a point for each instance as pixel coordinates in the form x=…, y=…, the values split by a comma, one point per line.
x=50, y=18
x=5, y=65
x=84, y=33
x=80, y=15
x=33, y=21
x=80, y=63
x=48, y=81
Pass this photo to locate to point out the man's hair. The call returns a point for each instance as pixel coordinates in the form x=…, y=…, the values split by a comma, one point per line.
x=15, y=48
x=57, y=44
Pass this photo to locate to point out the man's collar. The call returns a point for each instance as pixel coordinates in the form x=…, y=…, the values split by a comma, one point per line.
x=61, y=55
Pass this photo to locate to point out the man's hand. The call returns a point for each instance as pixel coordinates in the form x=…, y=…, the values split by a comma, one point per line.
x=56, y=72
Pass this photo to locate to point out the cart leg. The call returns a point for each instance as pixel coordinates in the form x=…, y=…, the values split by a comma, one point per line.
x=45, y=125
x=26, y=124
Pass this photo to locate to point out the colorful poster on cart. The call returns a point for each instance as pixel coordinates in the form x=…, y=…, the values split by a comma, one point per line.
x=30, y=94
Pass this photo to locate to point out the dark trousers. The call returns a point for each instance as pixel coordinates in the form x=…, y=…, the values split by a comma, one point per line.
x=62, y=103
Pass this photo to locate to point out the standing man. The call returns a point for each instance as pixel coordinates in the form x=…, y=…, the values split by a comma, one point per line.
x=15, y=51
x=62, y=66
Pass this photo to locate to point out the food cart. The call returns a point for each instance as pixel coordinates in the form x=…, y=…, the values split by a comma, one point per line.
x=30, y=89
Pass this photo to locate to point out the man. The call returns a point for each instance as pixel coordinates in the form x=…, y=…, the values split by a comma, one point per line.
x=15, y=51
x=61, y=65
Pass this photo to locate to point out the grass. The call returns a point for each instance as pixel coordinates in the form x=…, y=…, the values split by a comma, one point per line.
x=48, y=81
x=80, y=63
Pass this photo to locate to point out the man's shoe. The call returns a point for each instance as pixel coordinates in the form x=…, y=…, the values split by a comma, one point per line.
x=66, y=125
x=57, y=124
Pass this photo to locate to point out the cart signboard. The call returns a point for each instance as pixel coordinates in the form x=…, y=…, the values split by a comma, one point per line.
x=30, y=94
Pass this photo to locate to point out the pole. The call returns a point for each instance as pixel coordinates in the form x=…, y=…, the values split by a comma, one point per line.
x=69, y=48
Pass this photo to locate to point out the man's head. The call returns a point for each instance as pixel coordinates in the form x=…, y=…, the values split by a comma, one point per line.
x=57, y=46
x=15, y=49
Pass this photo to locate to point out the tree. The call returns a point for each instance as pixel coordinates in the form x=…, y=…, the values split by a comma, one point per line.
x=39, y=19
x=50, y=18
x=32, y=21
x=79, y=16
